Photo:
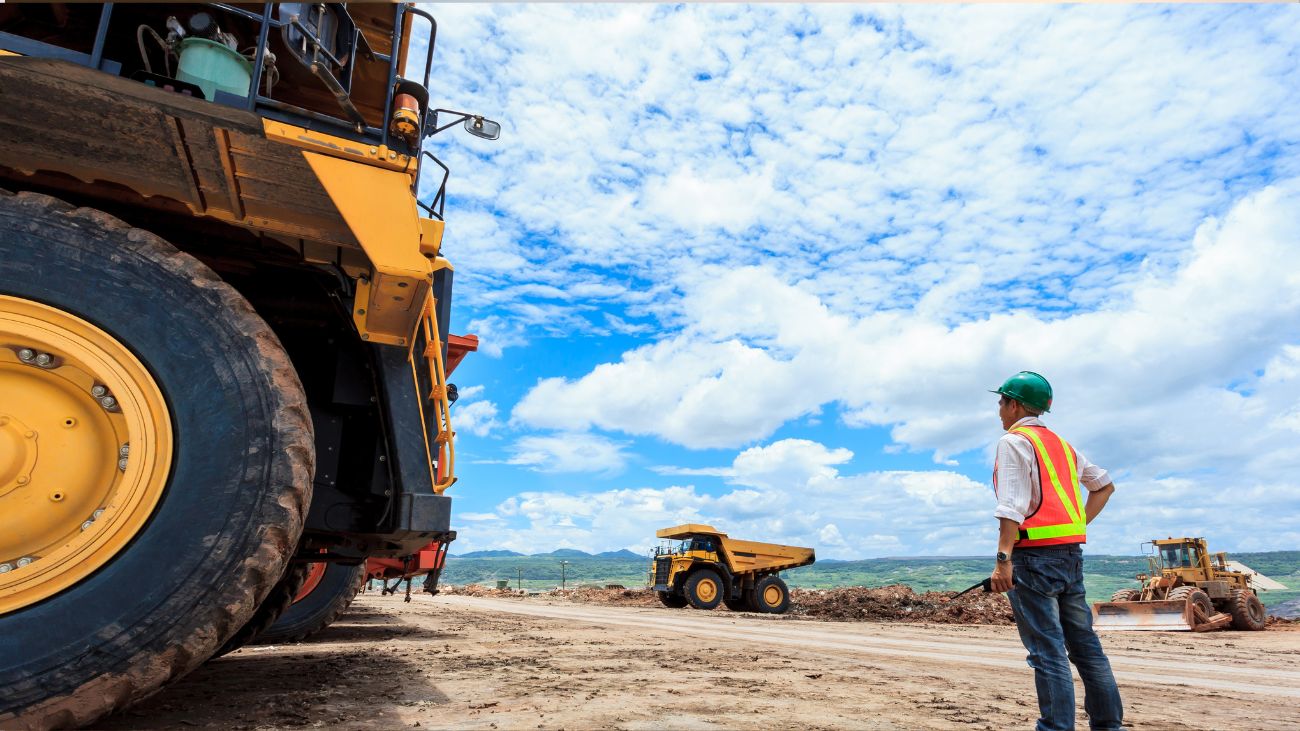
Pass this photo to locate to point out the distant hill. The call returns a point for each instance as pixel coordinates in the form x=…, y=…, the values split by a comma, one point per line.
x=565, y=553
x=487, y=554
x=624, y=553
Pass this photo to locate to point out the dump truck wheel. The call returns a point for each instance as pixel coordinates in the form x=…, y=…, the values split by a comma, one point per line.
x=1126, y=595
x=1194, y=596
x=164, y=483
x=1247, y=611
x=704, y=589
x=671, y=600
x=771, y=595
x=317, y=609
x=281, y=597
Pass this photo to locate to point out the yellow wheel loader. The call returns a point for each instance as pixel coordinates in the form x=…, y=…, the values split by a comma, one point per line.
x=223, y=323
x=1186, y=588
x=707, y=568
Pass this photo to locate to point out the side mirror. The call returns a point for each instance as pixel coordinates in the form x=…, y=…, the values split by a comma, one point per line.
x=475, y=124
x=483, y=128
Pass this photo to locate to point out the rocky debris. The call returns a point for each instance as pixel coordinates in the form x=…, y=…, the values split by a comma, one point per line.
x=899, y=603
x=623, y=597
x=894, y=603
x=476, y=590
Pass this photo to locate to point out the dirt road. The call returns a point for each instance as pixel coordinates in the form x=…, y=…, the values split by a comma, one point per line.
x=470, y=662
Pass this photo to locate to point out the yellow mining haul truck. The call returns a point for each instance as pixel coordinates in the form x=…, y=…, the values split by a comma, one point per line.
x=223, y=322
x=707, y=568
x=1185, y=589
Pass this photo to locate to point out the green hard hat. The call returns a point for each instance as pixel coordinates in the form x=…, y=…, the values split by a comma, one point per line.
x=1029, y=388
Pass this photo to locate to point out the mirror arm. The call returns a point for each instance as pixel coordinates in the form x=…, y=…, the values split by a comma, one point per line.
x=460, y=117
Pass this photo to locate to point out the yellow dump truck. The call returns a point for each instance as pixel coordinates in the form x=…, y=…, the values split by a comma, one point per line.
x=1186, y=588
x=707, y=568
x=224, y=309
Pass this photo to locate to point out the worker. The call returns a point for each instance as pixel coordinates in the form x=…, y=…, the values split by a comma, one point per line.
x=1037, y=478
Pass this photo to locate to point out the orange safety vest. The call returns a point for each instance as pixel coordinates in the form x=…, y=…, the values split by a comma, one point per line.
x=1060, y=518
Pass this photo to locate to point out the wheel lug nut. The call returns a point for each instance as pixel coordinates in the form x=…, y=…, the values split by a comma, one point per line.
x=87, y=524
x=25, y=560
x=108, y=402
x=44, y=360
x=26, y=355
x=121, y=464
x=98, y=390
x=5, y=568
x=124, y=450
x=95, y=515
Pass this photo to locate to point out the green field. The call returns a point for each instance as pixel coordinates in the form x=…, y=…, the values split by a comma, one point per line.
x=1104, y=574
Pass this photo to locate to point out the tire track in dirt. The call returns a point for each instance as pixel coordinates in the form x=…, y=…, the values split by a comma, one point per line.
x=1267, y=676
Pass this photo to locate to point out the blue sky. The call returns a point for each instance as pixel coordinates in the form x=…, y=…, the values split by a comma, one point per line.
x=757, y=266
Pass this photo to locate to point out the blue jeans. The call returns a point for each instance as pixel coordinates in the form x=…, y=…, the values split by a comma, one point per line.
x=1055, y=624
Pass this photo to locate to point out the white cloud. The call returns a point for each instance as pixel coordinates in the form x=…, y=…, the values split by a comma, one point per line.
x=478, y=418
x=884, y=157
x=788, y=492
x=1145, y=380
x=569, y=452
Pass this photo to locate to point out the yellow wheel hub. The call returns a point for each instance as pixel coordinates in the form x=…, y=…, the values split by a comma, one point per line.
x=85, y=450
x=772, y=596
x=706, y=590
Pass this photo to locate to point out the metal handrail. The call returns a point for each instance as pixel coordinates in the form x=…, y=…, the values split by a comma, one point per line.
x=439, y=202
x=443, y=440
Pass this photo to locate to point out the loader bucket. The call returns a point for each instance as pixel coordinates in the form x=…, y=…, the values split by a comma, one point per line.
x=1162, y=615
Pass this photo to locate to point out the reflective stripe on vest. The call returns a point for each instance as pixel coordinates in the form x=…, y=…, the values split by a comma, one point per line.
x=1060, y=518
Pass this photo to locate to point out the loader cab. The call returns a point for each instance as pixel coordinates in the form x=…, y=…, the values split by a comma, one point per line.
x=1183, y=555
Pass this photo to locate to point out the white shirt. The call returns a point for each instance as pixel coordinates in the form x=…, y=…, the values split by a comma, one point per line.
x=1017, y=474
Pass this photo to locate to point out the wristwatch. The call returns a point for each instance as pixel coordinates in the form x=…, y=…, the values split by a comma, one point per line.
x=1003, y=557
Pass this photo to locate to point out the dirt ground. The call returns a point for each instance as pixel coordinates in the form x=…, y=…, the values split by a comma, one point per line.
x=499, y=662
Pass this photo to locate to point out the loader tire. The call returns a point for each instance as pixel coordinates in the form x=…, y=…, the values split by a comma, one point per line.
x=1247, y=611
x=1126, y=595
x=671, y=600
x=1196, y=597
x=221, y=447
x=770, y=595
x=319, y=608
x=270, y=610
x=704, y=589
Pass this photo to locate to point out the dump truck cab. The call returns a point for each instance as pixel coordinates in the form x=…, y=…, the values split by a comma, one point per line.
x=706, y=568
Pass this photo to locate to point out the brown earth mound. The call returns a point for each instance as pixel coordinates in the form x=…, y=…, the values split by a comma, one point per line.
x=898, y=603
x=476, y=590
x=895, y=603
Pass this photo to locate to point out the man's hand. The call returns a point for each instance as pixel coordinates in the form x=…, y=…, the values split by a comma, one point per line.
x=1001, y=577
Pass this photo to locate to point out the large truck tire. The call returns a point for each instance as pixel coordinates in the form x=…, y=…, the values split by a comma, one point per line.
x=319, y=608
x=165, y=458
x=703, y=589
x=671, y=600
x=770, y=595
x=276, y=603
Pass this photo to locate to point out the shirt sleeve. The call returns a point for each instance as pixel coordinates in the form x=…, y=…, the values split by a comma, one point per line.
x=1092, y=477
x=1014, y=490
